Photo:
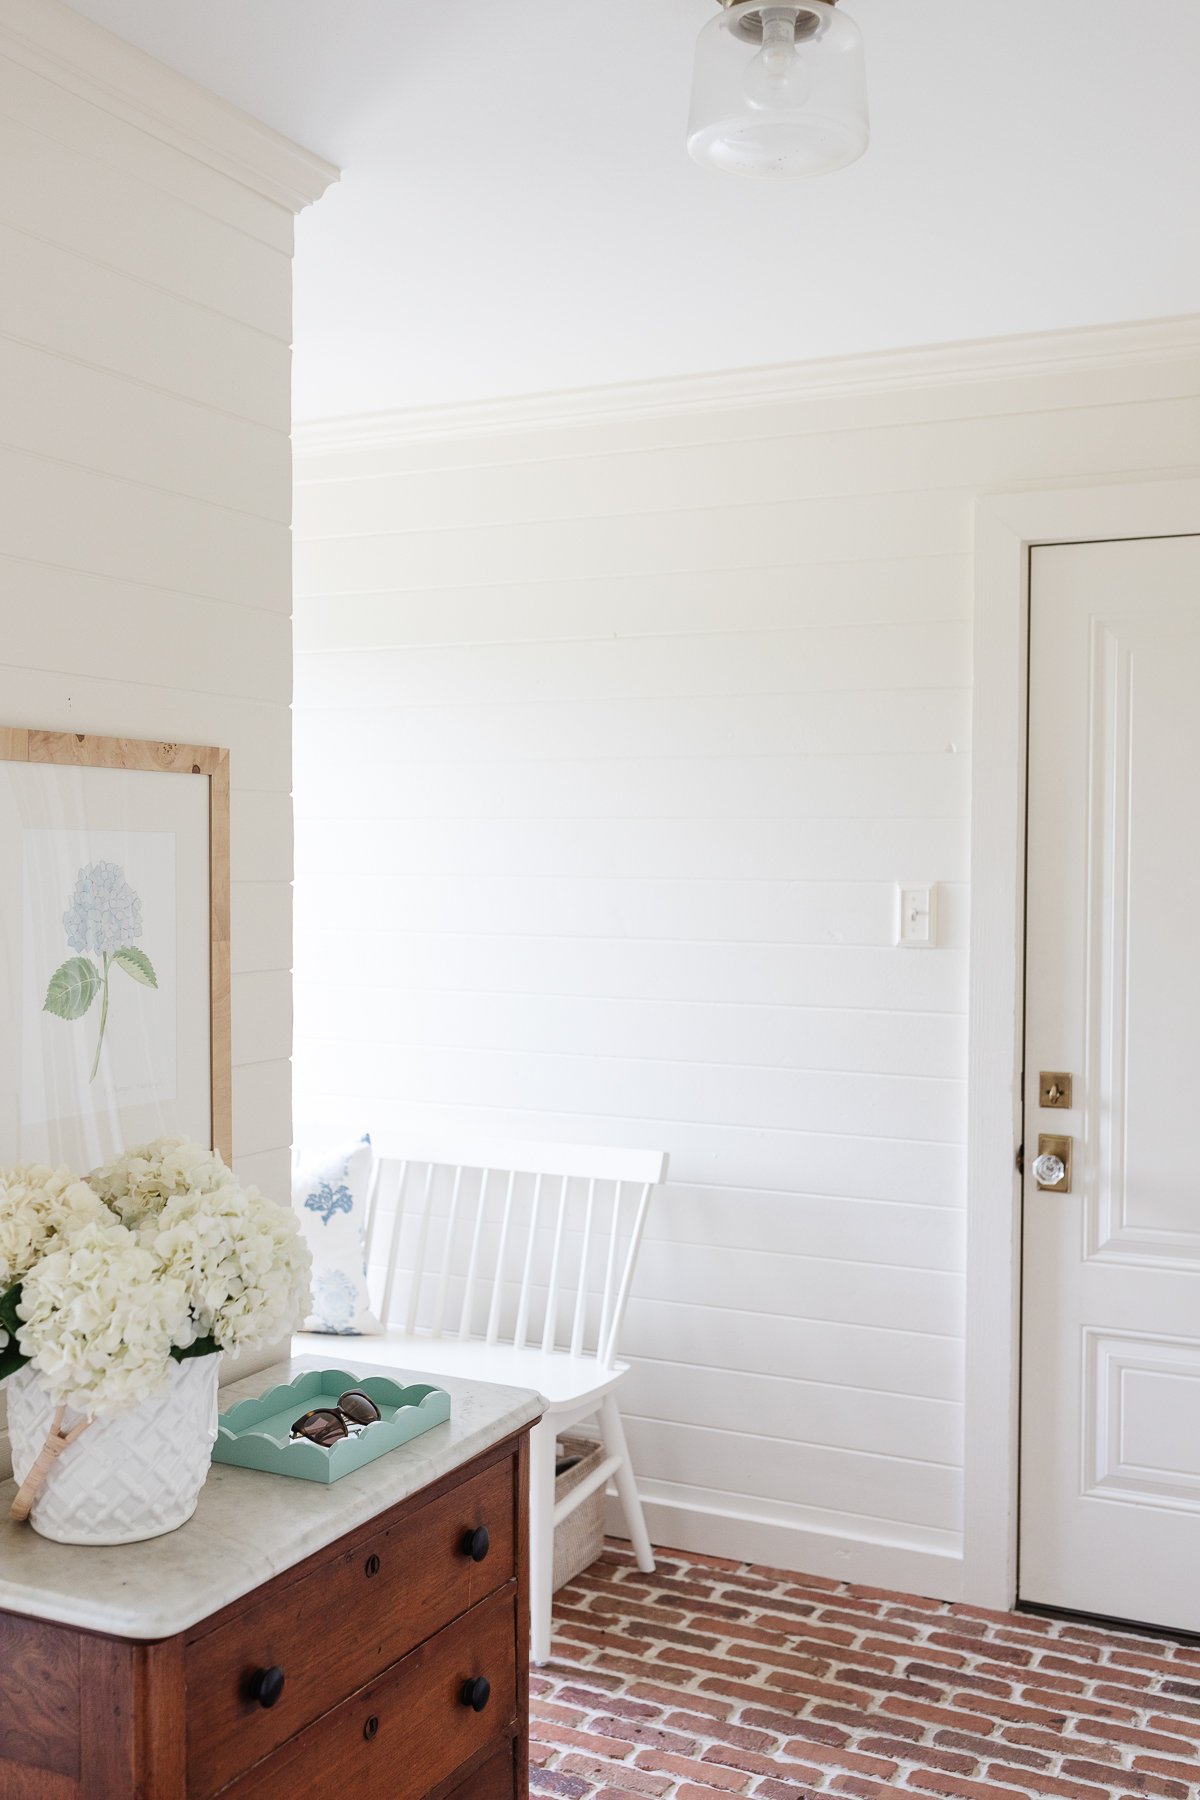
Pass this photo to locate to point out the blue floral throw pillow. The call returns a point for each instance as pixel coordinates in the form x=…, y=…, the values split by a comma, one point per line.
x=330, y=1198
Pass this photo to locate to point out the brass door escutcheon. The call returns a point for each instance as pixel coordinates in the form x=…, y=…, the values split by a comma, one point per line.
x=1052, y=1167
x=1054, y=1088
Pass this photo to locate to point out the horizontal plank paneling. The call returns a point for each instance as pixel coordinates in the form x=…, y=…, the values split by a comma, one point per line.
x=818, y=1350
x=909, y=1108
x=62, y=410
x=84, y=603
x=797, y=1037
x=255, y=732
x=906, y=721
x=262, y=1016
x=613, y=742
x=841, y=1229
x=827, y=1413
x=271, y=1172
x=742, y=974
x=736, y=1157
x=56, y=192
x=790, y=598
x=102, y=134
x=145, y=326
x=725, y=910
x=833, y=658
x=79, y=519
x=260, y=835
x=262, y=1107
x=262, y=925
x=778, y=849
x=745, y=537
x=786, y=1470
x=861, y=787
x=75, y=307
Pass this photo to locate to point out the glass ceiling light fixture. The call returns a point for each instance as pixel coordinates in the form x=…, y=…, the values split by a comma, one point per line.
x=779, y=90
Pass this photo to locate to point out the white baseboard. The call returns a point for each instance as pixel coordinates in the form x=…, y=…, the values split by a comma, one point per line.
x=683, y=1519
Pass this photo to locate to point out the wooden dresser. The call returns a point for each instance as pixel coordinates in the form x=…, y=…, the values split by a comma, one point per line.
x=390, y=1664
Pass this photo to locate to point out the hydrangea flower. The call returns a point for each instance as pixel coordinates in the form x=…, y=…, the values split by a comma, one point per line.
x=36, y=1204
x=241, y=1257
x=99, y=1317
x=160, y=1252
x=104, y=914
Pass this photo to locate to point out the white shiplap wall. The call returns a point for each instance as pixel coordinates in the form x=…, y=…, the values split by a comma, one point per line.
x=145, y=459
x=614, y=731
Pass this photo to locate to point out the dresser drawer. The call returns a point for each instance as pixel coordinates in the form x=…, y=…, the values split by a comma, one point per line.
x=407, y=1732
x=344, y=1622
x=493, y=1779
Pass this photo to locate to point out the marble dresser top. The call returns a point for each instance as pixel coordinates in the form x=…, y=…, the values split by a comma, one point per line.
x=248, y=1526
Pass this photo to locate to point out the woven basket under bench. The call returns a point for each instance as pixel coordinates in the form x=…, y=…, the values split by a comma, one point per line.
x=579, y=1538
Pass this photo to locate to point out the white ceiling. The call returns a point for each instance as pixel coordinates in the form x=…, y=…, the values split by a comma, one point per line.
x=518, y=212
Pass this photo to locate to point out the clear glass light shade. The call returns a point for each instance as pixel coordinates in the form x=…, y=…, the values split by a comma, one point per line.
x=779, y=90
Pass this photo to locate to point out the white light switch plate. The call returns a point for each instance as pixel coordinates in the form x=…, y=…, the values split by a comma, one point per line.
x=916, y=916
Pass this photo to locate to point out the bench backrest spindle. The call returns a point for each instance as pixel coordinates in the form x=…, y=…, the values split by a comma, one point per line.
x=514, y=1244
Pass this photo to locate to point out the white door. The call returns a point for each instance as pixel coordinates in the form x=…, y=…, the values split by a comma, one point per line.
x=1110, y=1400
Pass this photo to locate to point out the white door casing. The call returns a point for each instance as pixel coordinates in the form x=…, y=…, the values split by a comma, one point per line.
x=1110, y=1408
x=1007, y=527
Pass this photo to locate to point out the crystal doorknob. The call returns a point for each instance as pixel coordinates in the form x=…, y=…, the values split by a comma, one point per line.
x=1049, y=1169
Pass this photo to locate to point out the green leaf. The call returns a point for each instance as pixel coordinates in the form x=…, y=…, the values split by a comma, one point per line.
x=73, y=987
x=203, y=1346
x=9, y=1316
x=12, y=1357
x=135, y=962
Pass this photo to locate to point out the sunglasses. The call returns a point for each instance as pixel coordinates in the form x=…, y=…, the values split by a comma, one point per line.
x=327, y=1424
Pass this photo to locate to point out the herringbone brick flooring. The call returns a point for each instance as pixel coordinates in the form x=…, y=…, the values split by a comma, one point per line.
x=712, y=1679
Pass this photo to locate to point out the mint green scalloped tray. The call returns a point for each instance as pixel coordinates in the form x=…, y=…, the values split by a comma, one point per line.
x=254, y=1434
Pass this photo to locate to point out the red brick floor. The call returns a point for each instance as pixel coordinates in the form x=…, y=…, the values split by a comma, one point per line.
x=711, y=1679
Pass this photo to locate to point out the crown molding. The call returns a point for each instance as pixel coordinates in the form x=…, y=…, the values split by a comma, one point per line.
x=59, y=44
x=1044, y=353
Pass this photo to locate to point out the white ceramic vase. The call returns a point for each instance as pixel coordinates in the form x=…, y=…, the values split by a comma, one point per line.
x=130, y=1477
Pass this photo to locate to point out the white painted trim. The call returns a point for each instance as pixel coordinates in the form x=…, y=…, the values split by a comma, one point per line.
x=1007, y=526
x=64, y=47
x=1047, y=353
x=682, y=1518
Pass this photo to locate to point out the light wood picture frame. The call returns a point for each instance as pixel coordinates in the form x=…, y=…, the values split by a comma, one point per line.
x=164, y=1046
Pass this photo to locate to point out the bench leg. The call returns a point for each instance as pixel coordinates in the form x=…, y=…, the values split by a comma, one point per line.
x=541, y=1538
x=613, y=1433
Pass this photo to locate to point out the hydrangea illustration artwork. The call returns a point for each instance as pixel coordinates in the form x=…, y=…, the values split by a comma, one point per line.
x=103, y=917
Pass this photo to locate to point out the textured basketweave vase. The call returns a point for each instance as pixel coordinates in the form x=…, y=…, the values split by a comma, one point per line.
x=130, y=1477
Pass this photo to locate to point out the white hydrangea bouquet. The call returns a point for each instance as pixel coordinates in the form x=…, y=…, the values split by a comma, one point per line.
x=117, y=1294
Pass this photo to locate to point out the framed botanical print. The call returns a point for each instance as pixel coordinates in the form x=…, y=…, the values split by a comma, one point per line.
x=114, y=946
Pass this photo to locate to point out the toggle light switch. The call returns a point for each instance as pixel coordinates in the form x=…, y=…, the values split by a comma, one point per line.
x=916, y=917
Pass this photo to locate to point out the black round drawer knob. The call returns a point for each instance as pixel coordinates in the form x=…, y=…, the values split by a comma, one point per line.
x=476, y=1544
x=476, y=1693
x=371, y=1727
x=266, y=1685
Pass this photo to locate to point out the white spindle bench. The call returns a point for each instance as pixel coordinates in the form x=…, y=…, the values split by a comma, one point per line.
x=513, y=1262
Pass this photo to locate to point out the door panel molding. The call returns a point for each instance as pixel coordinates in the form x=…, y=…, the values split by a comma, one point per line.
x=1008, y=526
x=1106, y=952
x=1113, y=1467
